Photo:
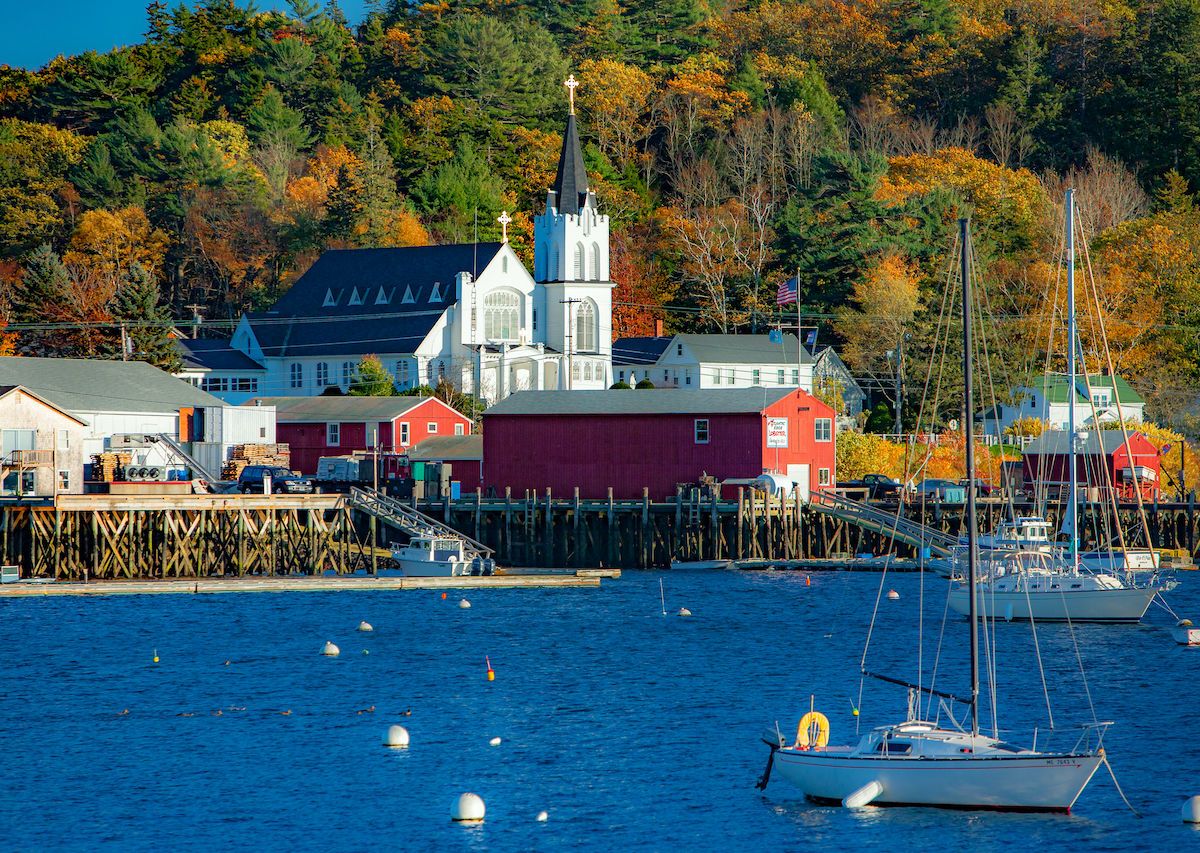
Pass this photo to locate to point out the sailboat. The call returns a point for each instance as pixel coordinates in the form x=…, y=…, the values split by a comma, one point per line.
x=1030, y=578
x=918, y=762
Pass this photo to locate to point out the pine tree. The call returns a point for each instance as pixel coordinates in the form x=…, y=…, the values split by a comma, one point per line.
x=45, y=282
x=147, y=325
x=380, y=201
x=344, y=208
x=274, y=123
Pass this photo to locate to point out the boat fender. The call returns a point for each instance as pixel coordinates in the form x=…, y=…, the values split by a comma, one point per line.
x=864, y=796
x=813, y=731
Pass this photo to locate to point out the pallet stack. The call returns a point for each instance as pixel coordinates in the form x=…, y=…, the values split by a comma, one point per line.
x=255, y=454
x=104, y=465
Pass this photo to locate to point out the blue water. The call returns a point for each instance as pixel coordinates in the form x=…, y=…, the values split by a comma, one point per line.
x=632, y=730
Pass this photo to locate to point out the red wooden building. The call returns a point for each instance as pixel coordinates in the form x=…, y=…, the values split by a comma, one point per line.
x=1103, y=461
x=336, y=426
x=464, y=455
x=654, y=439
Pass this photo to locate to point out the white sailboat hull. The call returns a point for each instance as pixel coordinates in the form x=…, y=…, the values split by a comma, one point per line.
x=1041, y=783
x=1060, y=605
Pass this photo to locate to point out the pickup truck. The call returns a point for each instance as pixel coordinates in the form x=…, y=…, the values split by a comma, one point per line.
x=878, y=487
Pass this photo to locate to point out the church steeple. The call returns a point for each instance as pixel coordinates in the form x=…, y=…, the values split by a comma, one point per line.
x=570, y=192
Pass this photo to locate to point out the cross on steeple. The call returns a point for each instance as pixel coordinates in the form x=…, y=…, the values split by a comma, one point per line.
x=571, y=83
x=504, y=219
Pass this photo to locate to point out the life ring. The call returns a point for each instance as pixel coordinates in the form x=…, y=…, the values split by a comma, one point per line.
x=813, y=731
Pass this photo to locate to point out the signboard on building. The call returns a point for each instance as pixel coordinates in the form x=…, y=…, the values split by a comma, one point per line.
x=777, y=432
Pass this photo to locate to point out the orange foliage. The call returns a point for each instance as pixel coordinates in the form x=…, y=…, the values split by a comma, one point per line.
x=108, y=241
x=311, y=190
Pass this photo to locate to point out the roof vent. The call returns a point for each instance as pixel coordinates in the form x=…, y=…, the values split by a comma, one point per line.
x=330, y=299
x=384, y=297
x=408, y=295
x=435, y=295
x=356, y=297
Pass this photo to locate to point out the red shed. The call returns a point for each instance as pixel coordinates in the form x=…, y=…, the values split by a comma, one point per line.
x=1048, y=461
x=654, y=439
x=334, y=426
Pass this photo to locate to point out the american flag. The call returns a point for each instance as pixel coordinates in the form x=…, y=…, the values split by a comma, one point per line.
x=786, y=294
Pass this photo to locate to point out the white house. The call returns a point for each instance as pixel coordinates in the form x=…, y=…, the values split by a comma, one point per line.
x=470, y=314
x=714, y=361
x=1098, y=396
x=117, y=398
x=41, y=446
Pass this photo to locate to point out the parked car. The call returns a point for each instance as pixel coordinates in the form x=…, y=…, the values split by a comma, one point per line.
x=983, y=488
x=879, y=487
x=282, y=480
x=940, y=490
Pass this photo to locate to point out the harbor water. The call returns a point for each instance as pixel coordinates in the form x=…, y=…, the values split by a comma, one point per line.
x=633, y=730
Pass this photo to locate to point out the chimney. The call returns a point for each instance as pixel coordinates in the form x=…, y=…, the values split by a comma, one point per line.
x=658, y=328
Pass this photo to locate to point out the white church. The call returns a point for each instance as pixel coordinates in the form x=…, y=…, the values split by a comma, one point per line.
x=469, y=313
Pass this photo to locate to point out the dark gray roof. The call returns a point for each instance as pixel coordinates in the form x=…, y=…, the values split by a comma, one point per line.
x=570, y=182
x=212, y=354
x=448, y=447
x=1056, y=442
x=337, y=408
x=645, y=402
x=90, y=385
x=745, y=349
x=638, y=350
x=401, y=295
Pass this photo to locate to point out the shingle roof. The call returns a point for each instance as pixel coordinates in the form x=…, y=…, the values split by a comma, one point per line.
x=337, y=408
x=212, y=354
x=645, y=402
x=1056, y=387
x=448, y=447
x=5, y=390
x=90, y=385
x=361, y=301
x=745, y=349
x=570, y=182
x=1057, y=442
x=638, y=350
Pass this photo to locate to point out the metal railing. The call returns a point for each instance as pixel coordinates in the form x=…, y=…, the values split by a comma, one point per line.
x=411, y=521
x=884, y=522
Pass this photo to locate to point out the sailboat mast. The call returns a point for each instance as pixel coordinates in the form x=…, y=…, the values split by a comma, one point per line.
x=1072, y=344
x=969, y=433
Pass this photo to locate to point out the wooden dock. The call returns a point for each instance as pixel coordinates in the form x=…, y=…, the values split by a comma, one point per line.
x=208, y=586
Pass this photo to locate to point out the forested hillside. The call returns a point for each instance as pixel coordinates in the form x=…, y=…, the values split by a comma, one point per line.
x=733, y=143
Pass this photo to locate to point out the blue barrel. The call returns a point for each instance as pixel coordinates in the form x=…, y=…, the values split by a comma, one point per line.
x=455, y=490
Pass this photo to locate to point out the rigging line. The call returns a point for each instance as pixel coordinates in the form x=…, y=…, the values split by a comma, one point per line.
x=1037, y=650
x=1117, y=785
x=941, y=635
x=1078, y=657
x=1162, y=602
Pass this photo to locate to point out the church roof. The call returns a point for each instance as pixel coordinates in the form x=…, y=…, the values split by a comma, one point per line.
x=361, y=301
x=570, y=182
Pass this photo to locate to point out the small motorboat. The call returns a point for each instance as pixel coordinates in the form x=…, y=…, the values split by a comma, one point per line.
x=440, y=557
x=699, y=565
x=1185, y=633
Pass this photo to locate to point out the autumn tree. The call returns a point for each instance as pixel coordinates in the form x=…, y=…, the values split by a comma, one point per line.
x=372, y=379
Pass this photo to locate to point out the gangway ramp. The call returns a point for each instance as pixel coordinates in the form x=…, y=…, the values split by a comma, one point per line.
x=887, y=523
x=408, y=520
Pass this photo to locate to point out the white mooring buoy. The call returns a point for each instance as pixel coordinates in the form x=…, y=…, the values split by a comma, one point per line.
x=464, y=604
x=396, y=738
x=893, y=595
x=683, y=611
x=1191, y=810
x=365, y=626
x=330, y=650
x=542, y=817
x=494, y=742
x=468, y=808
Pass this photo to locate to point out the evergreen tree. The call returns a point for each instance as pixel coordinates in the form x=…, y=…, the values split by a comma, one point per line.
x=372, y=379
x=344, y=208
x=458, y=190
x=274, y=123
x=379, y=199
x=46, y=282
x=147, y=325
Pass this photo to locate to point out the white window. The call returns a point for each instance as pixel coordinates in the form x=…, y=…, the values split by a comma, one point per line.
x=795, y=376
x=587, y=370
x=535, y=319
x=579, y=262
x=823, y=429
x=322, y=374
x=687, y=377
x=64, y=439
x=404, y=433
x=347, y=373
x=575, y=369
x=431, y=427
x=701, y=430
x=666, y=375
x=595, y=262
x=459, y=429
x=678, y=349
x=716, y=377
x=402, y=374
x=586, y=332
x=297, y=375
x=756, y=376
x=823, y=477
x=732, y=378
x=620, y=375
x=779, y=378
x=64, y=481
x=333, y=435
x=441, y=373
x=501, y=315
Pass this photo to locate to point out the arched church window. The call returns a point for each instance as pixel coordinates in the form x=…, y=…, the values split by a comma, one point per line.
x=587, y=370
x=578, y=262
x=586, y=332
x=595, y=262
x=501, y=315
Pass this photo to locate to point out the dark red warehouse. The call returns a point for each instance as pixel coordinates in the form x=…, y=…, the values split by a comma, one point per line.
x=655, y=439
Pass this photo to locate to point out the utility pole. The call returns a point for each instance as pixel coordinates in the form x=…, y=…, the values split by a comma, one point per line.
x=570, y=302
x=197, y=319
x=374, y=541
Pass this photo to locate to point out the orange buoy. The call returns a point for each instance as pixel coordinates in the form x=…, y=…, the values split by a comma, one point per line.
x=443, y=596
x=491, y=674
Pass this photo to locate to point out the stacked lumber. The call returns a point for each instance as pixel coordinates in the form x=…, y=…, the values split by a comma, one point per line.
x=255, y=454
x=105, y=465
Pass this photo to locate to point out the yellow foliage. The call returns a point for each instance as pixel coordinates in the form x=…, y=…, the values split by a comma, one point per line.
x=311, y=190
x=108, y=241
x=885, y=301
x=859, y=454
x=1012, y=202
x=1026, y=427
x=616, y=98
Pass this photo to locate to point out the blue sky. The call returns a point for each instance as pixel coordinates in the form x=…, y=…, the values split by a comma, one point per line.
x=32, y=33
